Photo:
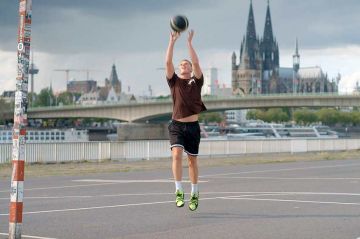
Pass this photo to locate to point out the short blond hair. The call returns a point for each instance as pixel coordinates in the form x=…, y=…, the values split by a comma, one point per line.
x=187, y=61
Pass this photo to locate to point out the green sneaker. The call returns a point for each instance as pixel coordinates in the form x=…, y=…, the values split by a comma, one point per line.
x=194, y=202
x=180, y=198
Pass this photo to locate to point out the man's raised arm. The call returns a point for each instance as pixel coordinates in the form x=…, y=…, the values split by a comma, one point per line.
x=169, y=66
x=194, y=58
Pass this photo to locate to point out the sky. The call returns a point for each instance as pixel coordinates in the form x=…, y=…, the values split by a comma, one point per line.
x=134, y=34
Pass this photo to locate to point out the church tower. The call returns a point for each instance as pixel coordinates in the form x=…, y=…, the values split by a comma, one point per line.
x=269, y=51
x=246, y=77
x=113, y=81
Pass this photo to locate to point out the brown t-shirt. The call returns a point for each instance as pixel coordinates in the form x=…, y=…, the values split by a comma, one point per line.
x=186, y=96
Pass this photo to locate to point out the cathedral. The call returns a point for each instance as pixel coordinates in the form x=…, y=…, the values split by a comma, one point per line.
x=259, y=72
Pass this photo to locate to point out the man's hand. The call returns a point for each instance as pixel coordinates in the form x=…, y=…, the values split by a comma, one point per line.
x=174, y=36
x=190, y=36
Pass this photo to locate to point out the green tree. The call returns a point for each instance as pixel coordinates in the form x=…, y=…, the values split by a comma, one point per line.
x=355, y=117
x=5, y=108
x=345, y=118
x=305, y=116
x=65, y=98
x=45, y=98
x=261, y=115
x=163, y=97
x=251, y=115
x=31, y=99
x=328, y=116
x=277, y=115
x=270, y=115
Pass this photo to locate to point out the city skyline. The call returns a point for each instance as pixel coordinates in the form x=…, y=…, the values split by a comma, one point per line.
x=134, y=34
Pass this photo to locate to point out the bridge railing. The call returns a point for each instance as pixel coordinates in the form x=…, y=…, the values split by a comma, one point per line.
x=155, y=149
x=204, y=97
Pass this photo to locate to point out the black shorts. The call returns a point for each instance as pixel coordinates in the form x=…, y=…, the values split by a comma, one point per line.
x=185, y=135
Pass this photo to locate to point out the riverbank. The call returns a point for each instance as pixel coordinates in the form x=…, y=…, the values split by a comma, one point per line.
x=107, y=166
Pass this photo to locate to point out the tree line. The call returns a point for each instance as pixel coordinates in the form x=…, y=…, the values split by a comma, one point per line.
x=46, y=97
x=301, y=116
x=306, y=116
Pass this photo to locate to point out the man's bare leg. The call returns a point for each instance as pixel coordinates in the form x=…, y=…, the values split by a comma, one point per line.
x=193, y=169
x=177, y=162
x=193, y=174
x=177, y=172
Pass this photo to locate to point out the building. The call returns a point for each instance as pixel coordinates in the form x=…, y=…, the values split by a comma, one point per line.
x=81, y=86
x=113, y=81
x=211, y=81
x=356, y=89
x=8, y=96
x=259, y=72
x=47, y=135
x=110, y=93
x=235, y=116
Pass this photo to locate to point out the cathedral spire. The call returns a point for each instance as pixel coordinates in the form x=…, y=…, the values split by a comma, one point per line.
x=250, y=43
x=268, y=47
x=250, y=30
x=268, y=33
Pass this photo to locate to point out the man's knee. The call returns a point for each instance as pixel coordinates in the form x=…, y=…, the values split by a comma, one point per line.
x=192, y=160
x=177, y=153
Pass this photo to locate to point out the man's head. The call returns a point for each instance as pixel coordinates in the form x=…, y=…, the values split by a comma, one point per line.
x=185, y=67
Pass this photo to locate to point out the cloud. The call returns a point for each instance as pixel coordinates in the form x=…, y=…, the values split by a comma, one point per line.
x=94, y=34
x=127, y=25
x=8, y=70
x=348, y=82
x=111, y=25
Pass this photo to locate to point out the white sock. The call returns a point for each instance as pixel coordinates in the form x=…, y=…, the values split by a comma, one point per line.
x=194, y=188
x=178, y=186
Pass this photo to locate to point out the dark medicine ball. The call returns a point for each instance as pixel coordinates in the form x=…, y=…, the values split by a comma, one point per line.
x=179, y=23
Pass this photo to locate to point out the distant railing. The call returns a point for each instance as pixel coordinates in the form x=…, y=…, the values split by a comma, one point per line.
x=155, y=149
x=204, y=97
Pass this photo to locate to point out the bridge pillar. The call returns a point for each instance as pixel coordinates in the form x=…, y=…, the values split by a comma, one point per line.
x=137, y=131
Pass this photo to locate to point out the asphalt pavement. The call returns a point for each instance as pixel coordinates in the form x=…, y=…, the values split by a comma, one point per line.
x=297, y=200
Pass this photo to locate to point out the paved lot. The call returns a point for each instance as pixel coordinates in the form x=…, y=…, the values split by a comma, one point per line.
x=297, y=200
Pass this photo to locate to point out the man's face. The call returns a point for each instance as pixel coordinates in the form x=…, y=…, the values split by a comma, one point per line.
x=185, y=67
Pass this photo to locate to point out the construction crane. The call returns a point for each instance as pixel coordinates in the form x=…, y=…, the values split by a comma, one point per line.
x=67, y=71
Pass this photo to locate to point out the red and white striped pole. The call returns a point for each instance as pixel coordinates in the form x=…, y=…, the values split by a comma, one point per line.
x=20, y=120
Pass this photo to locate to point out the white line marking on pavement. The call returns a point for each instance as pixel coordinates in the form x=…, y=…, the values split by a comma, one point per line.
x=288, y=200
x=138, y=194
x=287, y=178
x=94, y=196
x=105, y=182
x=26, y=236
x=120, y=205
x=131, y=181
x=91, y=208
x=280, y=170
x=208, y=175
x=203, y=193
x=61, y=187
x=242, y=197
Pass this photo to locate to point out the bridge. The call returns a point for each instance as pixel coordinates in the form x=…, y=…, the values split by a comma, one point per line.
x=145, y=110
